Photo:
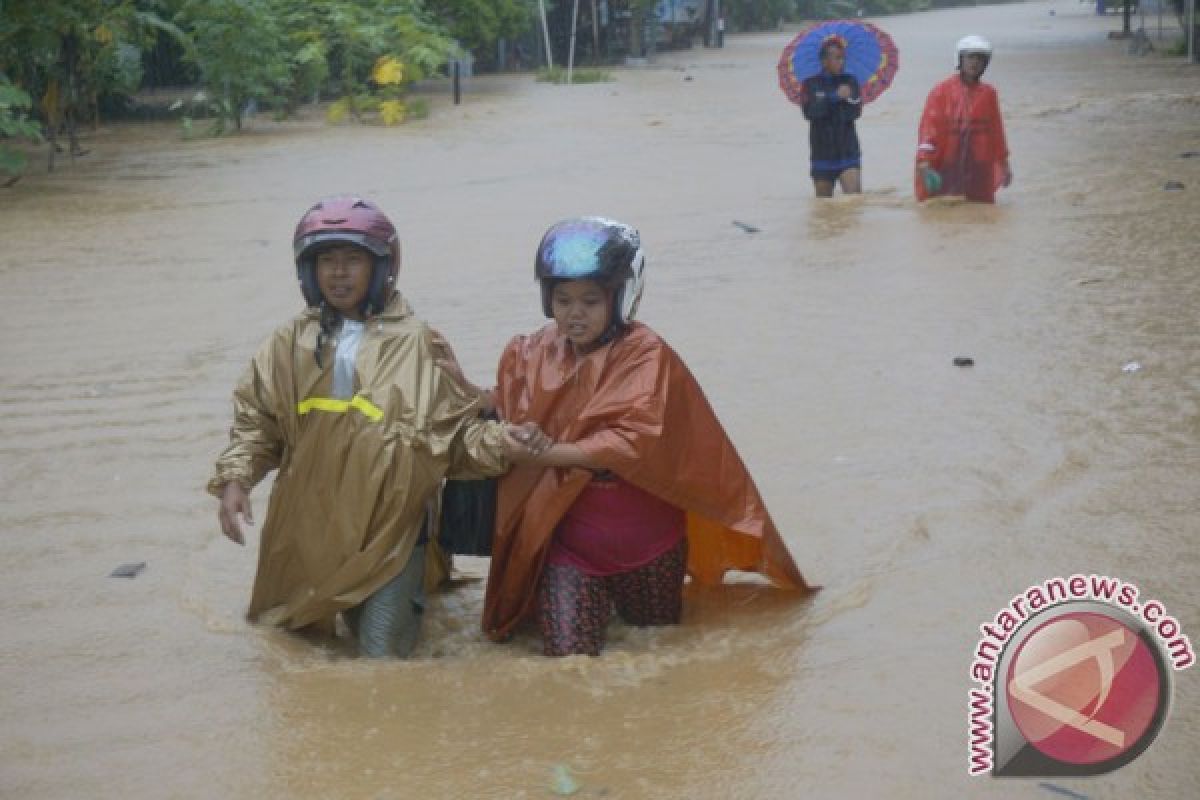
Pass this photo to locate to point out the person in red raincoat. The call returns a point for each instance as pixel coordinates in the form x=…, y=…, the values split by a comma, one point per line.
x=961, y=149
x=642, y=485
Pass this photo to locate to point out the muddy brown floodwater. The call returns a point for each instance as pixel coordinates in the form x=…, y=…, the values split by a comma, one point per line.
x=136, y=283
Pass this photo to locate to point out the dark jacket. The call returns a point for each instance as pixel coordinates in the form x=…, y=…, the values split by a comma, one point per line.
x=832, y=140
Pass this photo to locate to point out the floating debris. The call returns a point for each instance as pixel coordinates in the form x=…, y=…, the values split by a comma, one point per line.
x=747, y=228
x=129, y=570
x=964, y=361
x=1170, y=186
x=1062, y=790
x=564, y=784
x=1132, y=366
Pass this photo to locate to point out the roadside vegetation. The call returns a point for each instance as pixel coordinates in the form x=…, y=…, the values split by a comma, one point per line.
x=69, y=63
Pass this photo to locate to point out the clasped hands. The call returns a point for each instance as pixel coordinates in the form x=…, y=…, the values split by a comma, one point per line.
x=524, y=443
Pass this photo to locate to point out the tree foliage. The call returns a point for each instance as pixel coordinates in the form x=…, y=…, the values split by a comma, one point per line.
x=238, y=47
x=66, y=54
x=337, y=47
x=15, y=124
x=477, y=24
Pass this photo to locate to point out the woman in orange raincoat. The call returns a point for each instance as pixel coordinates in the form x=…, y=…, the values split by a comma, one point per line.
x=961, y=149
x=642, y=486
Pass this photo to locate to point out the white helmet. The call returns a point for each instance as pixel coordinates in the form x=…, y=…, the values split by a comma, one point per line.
x=973, y=44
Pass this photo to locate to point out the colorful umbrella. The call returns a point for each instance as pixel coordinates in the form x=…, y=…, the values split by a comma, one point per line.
x=871, y=57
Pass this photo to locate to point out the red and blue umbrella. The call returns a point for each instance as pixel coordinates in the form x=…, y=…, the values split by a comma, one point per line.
x=871, y=57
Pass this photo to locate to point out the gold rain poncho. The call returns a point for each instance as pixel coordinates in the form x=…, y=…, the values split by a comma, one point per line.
x=356, y=476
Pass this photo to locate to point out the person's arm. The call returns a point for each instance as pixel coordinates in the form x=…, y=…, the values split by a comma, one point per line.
x=850, y=97
x=564, y=454
x=255, y=442
x=1001, y=141
x=447, y=360
x=928, y=154
x=814, y=107
x=929, y=130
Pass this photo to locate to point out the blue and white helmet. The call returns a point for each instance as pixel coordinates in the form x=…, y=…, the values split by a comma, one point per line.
x=597, y=249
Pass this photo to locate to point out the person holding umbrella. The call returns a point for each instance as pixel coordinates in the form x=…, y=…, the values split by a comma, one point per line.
x=832, y=103
x=961, y=148
x=831, y=70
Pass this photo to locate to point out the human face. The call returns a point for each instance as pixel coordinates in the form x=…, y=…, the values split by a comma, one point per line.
x=344, y=277
x=973, y=65
x=834, y=60
x=582, y=310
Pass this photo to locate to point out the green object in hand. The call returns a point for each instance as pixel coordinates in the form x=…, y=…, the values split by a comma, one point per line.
x=933, y=181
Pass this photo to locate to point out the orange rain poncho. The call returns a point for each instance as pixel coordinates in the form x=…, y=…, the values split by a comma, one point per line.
x=355, y=476
x=633, y=407
x=962, y=137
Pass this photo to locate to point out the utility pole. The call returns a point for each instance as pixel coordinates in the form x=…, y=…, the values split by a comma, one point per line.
x=1191, y=31
x=546, y=34
x=571, y=50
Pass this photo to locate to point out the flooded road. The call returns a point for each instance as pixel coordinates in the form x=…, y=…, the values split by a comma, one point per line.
x=136, y=284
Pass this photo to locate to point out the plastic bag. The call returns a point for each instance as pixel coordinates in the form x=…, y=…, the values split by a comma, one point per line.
x=933, y=181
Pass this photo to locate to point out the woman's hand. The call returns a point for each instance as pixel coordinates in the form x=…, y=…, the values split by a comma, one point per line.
x=234, y=501
x=930, y=177
x=524, y=443
x=444, y=357
x=528, y=444
x=844, y=91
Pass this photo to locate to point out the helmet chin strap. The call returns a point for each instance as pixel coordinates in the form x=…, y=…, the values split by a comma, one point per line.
x=380, y=289
x=611, y=333
x=616, y=325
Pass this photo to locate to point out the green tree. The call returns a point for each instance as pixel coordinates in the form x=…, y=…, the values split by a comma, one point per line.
x=65, y=54
x=1181, y=13
x=15, y=124
x=239, y=48
x=478, y=24
x=757, y=15
x=364, y=51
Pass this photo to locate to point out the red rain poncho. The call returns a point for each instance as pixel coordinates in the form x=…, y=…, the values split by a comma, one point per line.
x=962, y=137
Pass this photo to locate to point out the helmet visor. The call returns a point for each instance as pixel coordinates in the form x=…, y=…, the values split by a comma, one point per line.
x=305, y=244
x=573, y=251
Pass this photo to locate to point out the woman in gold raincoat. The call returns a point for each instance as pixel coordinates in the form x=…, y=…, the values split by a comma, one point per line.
x=347, y=403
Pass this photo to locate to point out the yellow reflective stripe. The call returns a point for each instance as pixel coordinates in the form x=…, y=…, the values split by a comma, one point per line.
x=358, y=403
x=367, y=408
